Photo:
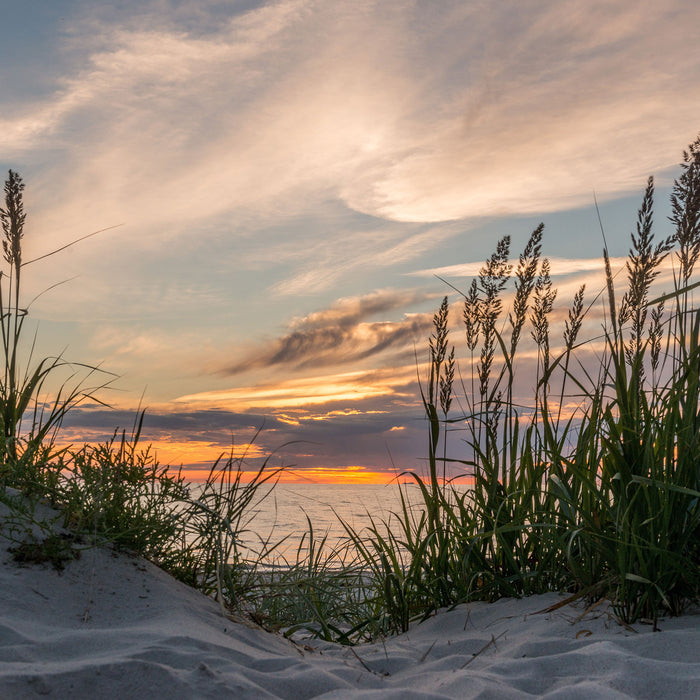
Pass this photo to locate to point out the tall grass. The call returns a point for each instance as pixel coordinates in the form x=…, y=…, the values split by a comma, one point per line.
x=603, y=500
x=29, y=419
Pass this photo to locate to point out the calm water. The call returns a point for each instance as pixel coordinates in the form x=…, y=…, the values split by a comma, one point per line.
x=283, y=513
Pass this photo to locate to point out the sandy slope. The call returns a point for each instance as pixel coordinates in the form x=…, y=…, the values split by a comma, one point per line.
x=117, y=627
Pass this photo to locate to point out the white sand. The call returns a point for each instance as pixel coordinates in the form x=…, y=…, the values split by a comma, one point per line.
x=117, y=627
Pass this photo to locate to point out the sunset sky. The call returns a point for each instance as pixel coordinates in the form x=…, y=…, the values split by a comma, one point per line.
x=285, y=180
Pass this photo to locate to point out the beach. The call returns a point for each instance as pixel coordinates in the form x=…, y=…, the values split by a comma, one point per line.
x=351, y=350
x=111, y=625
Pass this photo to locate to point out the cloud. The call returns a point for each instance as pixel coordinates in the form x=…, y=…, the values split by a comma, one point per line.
x=179, y=125
x=541, y=114
x=559, y=266
x=161, y=421
x=352, y=310
x=276, y=110
x=343, y=389
x=342, y=334
x=319, y=268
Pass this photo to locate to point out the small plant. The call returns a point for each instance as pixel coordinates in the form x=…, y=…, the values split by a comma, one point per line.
x=324, y=592
x=55, y=549
x=117, y=492
x=221, y=552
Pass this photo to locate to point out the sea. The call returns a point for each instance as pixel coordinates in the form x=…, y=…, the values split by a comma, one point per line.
x=285, y=513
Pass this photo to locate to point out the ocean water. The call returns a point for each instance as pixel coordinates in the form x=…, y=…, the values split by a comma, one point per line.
x=283, y=513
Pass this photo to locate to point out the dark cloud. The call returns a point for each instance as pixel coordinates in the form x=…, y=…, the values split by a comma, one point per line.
x=213, y=418
x=343, y=333
x=380, y=433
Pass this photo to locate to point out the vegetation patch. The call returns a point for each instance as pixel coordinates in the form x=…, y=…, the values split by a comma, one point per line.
x=56, y=550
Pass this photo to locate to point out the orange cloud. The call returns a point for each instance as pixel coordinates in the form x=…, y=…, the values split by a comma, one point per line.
x=197, y=455
x=176, y=452
x=308, y=391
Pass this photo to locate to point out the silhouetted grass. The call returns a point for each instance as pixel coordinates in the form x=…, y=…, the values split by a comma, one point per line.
x=604, y=501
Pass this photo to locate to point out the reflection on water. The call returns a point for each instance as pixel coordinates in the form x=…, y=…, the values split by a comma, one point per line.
x=283, y=513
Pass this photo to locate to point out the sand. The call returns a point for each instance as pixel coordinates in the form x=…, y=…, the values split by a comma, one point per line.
x=114, y=626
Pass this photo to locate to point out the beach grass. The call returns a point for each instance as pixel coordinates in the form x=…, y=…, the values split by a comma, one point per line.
x=603, y=501
x=591, y=486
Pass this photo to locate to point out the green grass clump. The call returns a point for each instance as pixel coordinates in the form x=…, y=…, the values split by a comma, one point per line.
x=604, y=500
x=55, y=549
x=325, y=591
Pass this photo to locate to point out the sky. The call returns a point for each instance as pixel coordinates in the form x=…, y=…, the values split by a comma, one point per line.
x=286, y=190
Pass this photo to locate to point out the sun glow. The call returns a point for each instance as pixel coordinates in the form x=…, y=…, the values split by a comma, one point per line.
x=338, y=475
x=313, y=475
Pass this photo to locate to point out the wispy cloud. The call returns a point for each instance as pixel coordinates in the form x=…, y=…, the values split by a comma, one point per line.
x=343, y=389
x=559, y=266
x=342, y=334
x=277, y=108
x=542, y=114
x=317, y=269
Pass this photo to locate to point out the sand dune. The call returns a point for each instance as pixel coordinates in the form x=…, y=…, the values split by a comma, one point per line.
x=113, y=626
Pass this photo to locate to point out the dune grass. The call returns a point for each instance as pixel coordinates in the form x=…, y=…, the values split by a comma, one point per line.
x=592, y=486
x=602, y=501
